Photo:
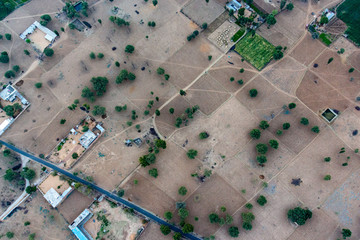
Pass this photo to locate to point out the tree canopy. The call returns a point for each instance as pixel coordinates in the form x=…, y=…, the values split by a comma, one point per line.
x=233, y=231
x=299, y=215
x=255, y=133
x=99, y=85
x=192, y=153
x=98, y=110
x=182, y=191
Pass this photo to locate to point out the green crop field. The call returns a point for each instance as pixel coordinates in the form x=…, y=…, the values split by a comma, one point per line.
x=325, y=38
x=7, y=6
x=349, y=12
x=256, y=50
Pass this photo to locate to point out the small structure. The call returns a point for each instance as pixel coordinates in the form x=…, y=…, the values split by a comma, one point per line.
x=233, y=6
x=77, y=226
x=329, y=14
x=329, y=115
x=38, y=37
x=138, y=142
x=54, y=197
x=87, y=139
x=8, y=96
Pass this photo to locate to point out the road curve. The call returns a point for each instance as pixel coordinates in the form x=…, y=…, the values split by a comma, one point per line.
x=101, y=190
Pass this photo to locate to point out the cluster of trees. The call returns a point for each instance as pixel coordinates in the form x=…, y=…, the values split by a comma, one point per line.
x=119, y=21
x=12, y=73
x=151, y=24
x=278, y=53
x=10, y=110
x=45, y=19
x=120, y=108
x=125, y=75
x=71, y=12
x=299, y=215
x=192, y=35
x=161, y=72
x=92, y=55
x=6, y=7
x=289, y=6
x=150, y=158
x=98, y=110
x=99, y=88
x=216, y=219
x=183, y=118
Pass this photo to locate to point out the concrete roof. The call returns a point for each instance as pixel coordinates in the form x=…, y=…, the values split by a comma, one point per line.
x=54, y=198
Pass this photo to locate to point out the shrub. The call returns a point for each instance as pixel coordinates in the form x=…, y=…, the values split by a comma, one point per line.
x=117, y=64
x=264, y=125
x=98, y=110
x=192, y=153
x=214, y=218
x=187, y=228
x=27, y=223
x=10, y=235
x=273, y=143
x=120, y=193
x=299, y=215
x=290, y=6
x=182, y=191
x=62, y=121
x=261, y=148
x=160, y=71
x=304, y=121
x=292, y=105
x=327, y=178
x=203, y=135
x=327, y=159
x=351, y=70
x=242, y=70
x=168, y=215
x=166, y=76
x=9, y=74
x=183, y=213
x=261, y=159
x=165, y=229
x=182, y=92
x=253, y=93
x=100, y=55
x=247, y=226
x=75, y=155
x=261, y=200
x=26, y=52
x=286, y=126
x=249, y=206
x=4, y=57
x=129, y=49
x=346, y=233
x=233, y=231
x=240, y=82
x=92, y=55
x=330, y=60
x=48, y=52
x=8, y=36
x=255, y=133
x=247, y=217
x=204, y=26
x=153, y=172
x=16, y=68
x=315, y=129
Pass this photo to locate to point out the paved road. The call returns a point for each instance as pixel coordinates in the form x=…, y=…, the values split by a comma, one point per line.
x=101, y=190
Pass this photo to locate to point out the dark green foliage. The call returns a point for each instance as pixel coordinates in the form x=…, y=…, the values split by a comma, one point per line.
x=8, y=36
x=45, y=19
x=98, y=110
x=242, y=70
x=171, y=110
x=182, y=92
x=148, y=159
x=346, y=233
x=271, y=19
x=182, y=191
x=255, y=133
x=10, y=175
x=9, y=110
x=30, y=190
x=165, y=229
x=160, y=144
x=125, y=75
x=240, y=82
x=351, y=70
x=192, y=153
x=261, y=159
x=187, y=228
x=183, y=213
x=87, y=93
x=290, y=6
x=214, y=218
x=324, y=19
x=327, y=178
x=26, y=52
x=27, y=223
x=330, y=60
x=120, y=193
x=209, y=57
x=261, y=148
x=48, y=52
x=249, y=206
x=299, y=215
x=119, y=21
x=232, y=79
x=168, y=215
x=117, y=64
x=153, y=172
x=9, y=74
x=278, y=54
x=203, y=135
x=253, y=93
x=28, y=173
x=292, y=105
x=247, y=217
x=10, y=235
x=155, y=2
x=233, y=231
x=261, y=200
x=315, y=129
x=70, y=10
x=327, y=159
x=264, y=125
x=99, y=85
x=16, y=68
x=273, y=143
x=32, y=236
x=166, y=76
x=247, y=226
x=75, y=155
x=62, y=121
x=286, y=126
x=129, y=49
x=4, y=57
x=100, y=55
x=204, y=26
x=151, y=24
x=344, y=164
x=282, y=4
x=304, y=121
x=6, y=152
x=157, y=112
x=177, y=236
x=92, y=55
x=349, y=12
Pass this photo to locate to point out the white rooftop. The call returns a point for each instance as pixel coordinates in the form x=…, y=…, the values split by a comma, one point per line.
x=87, y=138
x=54, y=198
x=50, y=35
x=8, y=93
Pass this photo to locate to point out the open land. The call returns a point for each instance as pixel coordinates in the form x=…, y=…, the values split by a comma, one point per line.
x=226, y=112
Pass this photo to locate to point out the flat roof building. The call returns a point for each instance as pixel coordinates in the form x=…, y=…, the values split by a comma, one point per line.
x=77, y=226
x=49, y=35
x=87, y=139
x=233, y=5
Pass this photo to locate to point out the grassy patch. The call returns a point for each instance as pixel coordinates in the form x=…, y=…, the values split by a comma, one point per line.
x=256, y=50
x=349, y=12
x=238, y=34
x=325, y=38
x=10, y=6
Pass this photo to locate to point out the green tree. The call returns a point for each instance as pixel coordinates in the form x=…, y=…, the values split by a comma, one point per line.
x=182, y=191
x=253, y=93
x=160, y=71
x=271, y=19
x=183, y=213
x=168, y=215
x=351, y=70
x=75, y=155
x=177, y=236
x=148, y=159
x=192, y=153
x=327, y=177
x=292, y=105
x=203, y=135
x=129, y=49
x=187, y=228
x=16, y=68
x=261, y=200
x=9, y=74
x=264, y=125
x=92, y=55
x=214, y=218
x=204, y=25
x=9, y=110
x=98, y=110
x=4, y=57
x=30, y=189
x=10, y=175
x=62, y=121
x=160, y=144
x=247, y=226
x=155, y=2
x=278, y=54
x=249, y=206
x=261, y=148
x=327, y=159
x=282, y=4
x=117, y=64
x=32, y=236
x=346, y=233
x=99, y=85
x=6, y=152
x=153, y=172
x=315, y=129
x=121, y=192
x=255, y=133
x=330, y=60
x=27, y=223
x=122, y=76
x=8, y=36
x=261, y=159
x=167, y=77
x=48, y=52
x=157, y=112
x=286, y=126
x=273, y=143
x=100, y=55
x=171, y=110
x=290, y=6
x=165, y=229
x=10, y=235
x=304, y=121
x=228, y=219
x=299, y=215
x=279, y=132
x=247, y=217
x=324, y=19
x=87, y=93
x=28, y=173
x=233, y=231
x=26, y=52
x=182, y=92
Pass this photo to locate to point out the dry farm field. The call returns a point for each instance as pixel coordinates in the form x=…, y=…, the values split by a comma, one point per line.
x=149, y=84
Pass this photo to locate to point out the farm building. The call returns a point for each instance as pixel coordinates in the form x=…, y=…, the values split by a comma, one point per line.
x=55, y=197
x=77, y=227
x=8, y=96
x=329, y=14
x=38, y=34
x=233, y=6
